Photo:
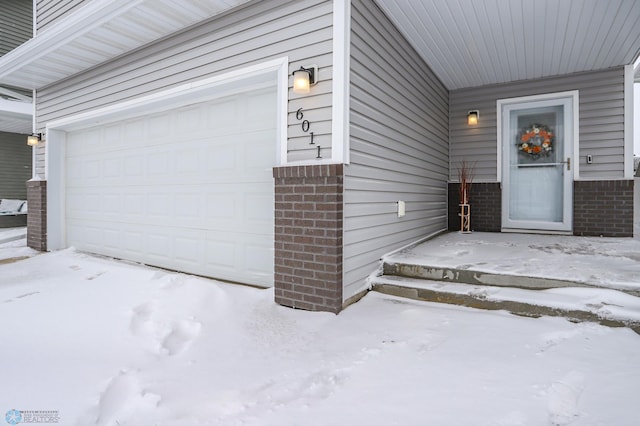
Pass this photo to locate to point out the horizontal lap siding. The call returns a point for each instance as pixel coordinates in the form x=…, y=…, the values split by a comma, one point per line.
x=601, y=122
x=16, y=24
x=251, y=34
x=48, y=11
x=399, y=146
x=15, y=166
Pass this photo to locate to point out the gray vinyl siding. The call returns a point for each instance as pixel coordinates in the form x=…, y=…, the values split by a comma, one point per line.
x=601, y=122
x=399, y=146
x=15, y=166
x=48, y=11
x=16, y=24
x=256, y=32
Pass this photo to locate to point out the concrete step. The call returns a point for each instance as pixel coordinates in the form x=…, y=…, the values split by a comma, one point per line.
x=608, y=307
x=580, y=278
x=479, y=277
x=526, y=261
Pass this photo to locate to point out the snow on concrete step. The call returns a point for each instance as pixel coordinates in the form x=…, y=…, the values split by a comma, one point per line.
x=522, y=260
x=606, y=306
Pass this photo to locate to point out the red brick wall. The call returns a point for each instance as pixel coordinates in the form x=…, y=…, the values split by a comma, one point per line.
x=308, y=237
x=37, y=214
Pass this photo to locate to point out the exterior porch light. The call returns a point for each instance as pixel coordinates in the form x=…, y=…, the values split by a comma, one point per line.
x=472, y=117
x=34, y=139
x=304, y=78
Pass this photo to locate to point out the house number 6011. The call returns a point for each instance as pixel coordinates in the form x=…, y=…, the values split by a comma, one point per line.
x=305, y=124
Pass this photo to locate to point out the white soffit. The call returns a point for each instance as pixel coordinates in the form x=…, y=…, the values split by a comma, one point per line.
x=16, y=116
x=98, y=32
x=16, y=112
x=471, y=43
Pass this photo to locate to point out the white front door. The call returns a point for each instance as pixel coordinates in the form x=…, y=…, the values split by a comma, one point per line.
x=537, y=149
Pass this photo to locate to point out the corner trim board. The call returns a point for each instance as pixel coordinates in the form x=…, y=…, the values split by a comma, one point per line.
x=340, y=101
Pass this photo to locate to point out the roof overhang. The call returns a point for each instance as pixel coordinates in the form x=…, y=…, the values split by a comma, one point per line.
x=466, y=43
x=98, y=31
x=16, y=111
x=16, y=116
x=470, y=43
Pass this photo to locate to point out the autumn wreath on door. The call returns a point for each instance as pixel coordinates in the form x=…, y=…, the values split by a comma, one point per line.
x=536, y=141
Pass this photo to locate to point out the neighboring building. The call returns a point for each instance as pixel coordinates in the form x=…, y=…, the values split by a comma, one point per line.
x=16, y=112
x=15, y=166
x=173, y=135
x=16, y=27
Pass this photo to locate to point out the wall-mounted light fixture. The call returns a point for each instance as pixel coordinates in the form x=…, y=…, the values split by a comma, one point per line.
x=34, y=139
x=304, y=78
x=472, y=117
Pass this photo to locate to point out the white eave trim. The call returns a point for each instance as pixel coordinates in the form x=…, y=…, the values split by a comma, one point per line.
x=84, y=20
x=16, y=107
x=15, y=95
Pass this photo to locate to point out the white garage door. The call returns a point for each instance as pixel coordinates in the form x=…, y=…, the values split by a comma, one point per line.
x=189, y=189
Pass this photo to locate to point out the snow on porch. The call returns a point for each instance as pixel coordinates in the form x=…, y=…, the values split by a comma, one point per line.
x=585, y=278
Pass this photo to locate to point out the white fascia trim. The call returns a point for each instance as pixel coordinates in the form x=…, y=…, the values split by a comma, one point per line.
x=12, y=93
x=90, y=16
x=340, y=96
x=17, y=107
x=628, y=121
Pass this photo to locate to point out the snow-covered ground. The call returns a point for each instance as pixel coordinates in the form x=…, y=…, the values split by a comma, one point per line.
x=102, y=342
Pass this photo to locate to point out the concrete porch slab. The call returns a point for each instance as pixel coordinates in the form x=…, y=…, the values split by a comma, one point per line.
x=580, y=278
x=522, y=261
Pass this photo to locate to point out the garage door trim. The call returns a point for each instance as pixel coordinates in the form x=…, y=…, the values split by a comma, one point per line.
x=239, y=81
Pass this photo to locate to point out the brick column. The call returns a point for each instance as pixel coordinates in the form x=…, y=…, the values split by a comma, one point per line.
x=308, y=237
x=37, y=214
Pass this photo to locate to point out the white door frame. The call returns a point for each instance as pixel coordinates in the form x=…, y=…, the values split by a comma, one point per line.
x=570, y=100
x=252, y=77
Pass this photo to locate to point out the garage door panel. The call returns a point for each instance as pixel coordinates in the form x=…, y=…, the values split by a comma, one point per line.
x=221, y=160
x=157, y=127
x=242, y=158
x=189, y=189
x=231, y=206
